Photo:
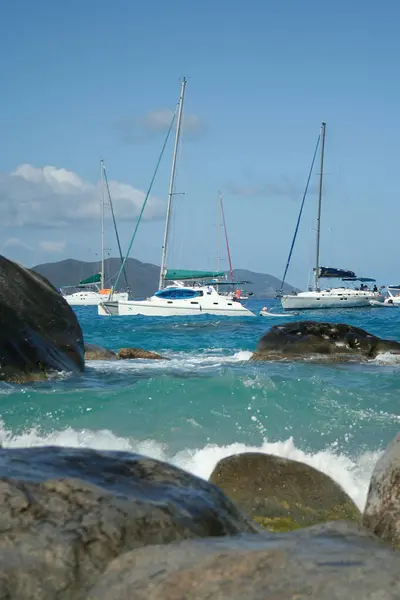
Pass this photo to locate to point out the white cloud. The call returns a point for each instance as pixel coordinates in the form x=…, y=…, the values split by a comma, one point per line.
x=53, y=247
x=15, y=243
x=52, y=197
x=140, y=129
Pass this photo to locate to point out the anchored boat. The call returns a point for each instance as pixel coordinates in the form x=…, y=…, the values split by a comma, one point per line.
x=178, y=298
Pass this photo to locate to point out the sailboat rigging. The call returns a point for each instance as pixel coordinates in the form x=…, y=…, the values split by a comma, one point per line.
x=177, y=298
x=341, y=297
x=233, y=293
x=91, y=291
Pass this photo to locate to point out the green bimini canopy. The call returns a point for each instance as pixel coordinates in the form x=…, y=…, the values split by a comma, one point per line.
x=180, y=274
x=92, y=279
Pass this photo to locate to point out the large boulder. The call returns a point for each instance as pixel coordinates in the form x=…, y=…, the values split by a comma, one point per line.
x=335, y=561
x=382, y=510
x=334, y=341
x=282, y=494
x=65, y=513
x=39, y=331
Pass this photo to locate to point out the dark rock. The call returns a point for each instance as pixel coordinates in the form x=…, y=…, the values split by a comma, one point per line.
x=382, y=510
x=94, y=352
x=334, y=561
x=329, y=340
x=39, y=331
x=126, y=353
x=282, y=494
x=65, y=513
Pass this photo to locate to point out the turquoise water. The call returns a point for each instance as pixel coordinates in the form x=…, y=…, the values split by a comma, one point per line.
x=209, y=401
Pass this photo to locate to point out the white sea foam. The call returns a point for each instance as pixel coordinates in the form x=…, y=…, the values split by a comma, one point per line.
x=387, y=358
x=177, y=361
x=353, y=474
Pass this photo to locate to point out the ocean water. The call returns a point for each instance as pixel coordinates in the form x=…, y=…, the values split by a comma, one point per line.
x=208, y=401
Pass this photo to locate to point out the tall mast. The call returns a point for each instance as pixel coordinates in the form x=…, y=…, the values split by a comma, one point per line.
x=227, y=242
x=219, y=232
x=321, y=176
x=171, y=184
x=102, y=223
x=219, y=235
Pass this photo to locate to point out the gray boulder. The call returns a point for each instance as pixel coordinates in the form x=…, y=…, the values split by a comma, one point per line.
x=332, y=341
x=66, y=513
x=334, y=561
x=382, y=510
x=39, y=331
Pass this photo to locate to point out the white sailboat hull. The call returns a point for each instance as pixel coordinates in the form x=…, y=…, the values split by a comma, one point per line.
x=91, y=298
x=336, y=298
x=209, y=303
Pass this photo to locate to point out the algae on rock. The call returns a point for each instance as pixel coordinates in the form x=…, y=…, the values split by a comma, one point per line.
x=281, y=494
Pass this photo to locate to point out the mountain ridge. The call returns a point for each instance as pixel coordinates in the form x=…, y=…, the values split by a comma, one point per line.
x=143, y=277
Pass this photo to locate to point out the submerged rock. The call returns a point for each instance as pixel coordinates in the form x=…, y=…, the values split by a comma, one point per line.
x=94, y=352
x=126, y=353
x=382, y=510
x=282, y=494
x=65, y=513
x=330, y=340
x=39, y=331
x=335, y=561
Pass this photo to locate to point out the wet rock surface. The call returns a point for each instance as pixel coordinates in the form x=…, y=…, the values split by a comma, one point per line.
x=332, y=341
x=127, y=353
x=66, y=513
x=87, y=525
x=39, y=331
x=382, y=510
x=94, y=352
x=334, y=561
x=282, y=494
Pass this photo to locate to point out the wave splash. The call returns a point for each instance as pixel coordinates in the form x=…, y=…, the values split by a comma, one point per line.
x=353, y=474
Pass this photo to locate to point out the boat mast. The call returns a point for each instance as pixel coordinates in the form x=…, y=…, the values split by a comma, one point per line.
x=171, y=184
x=226, y=241
x=219, y=232
x=321, y=175
x=102, y=224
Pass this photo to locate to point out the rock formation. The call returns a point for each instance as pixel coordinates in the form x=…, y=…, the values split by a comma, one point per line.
x=39, y=331
x=382, y=510
x=332, y=341
x=282, y=494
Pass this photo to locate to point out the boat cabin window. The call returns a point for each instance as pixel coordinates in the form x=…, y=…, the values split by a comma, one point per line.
x=178, y=293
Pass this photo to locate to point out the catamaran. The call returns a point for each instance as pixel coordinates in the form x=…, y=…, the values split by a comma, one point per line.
x=91, y=291
x=181, y=292
x=338, y=297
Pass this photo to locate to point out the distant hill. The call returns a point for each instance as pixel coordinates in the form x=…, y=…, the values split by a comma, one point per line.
x=143, y=277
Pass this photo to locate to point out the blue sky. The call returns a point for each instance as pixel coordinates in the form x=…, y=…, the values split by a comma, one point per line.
x=81, y=80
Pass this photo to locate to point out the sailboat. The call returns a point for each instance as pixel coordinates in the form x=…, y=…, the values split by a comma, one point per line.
x=91, y=291
x=339, y=297
x=232, y=286
x=181, y=292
